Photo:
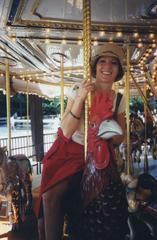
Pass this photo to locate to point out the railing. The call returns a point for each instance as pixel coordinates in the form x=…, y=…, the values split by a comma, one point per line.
x=24, y=145
x=3, y=120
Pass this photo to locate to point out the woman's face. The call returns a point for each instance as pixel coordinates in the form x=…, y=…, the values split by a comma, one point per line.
x=107, y=69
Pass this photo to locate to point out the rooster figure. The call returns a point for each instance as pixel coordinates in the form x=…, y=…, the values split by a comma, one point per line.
x=100, y=149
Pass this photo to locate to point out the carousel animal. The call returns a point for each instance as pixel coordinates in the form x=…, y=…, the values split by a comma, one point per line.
x=136, y=147
x=153, y=143
x=137, y=136
x=141, y=193
x=137, y=124
x=16, y=186
x=142, y=136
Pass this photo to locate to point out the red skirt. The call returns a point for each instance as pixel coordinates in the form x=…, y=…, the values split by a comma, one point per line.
x=64, y=158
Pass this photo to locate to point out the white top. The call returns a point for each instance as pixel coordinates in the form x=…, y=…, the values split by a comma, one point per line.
x=78, y=135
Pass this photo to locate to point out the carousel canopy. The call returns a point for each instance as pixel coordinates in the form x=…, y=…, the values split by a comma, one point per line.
x=39, y=38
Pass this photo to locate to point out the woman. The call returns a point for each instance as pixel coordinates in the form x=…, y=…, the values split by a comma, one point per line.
x=64, y=162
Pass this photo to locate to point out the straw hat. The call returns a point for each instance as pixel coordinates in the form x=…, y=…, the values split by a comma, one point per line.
x=110, y=50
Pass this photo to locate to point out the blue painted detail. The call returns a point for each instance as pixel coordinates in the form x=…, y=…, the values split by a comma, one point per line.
x=13, y=10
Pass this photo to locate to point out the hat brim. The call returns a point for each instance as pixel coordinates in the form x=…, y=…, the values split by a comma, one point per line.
x=110, y=49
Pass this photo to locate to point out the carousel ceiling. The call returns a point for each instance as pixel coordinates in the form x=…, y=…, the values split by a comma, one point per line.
x=41, y=37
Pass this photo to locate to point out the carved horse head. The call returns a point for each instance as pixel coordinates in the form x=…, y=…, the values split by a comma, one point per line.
x=3, y=155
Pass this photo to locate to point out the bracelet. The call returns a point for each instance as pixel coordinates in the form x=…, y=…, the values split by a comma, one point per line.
x=73, y=115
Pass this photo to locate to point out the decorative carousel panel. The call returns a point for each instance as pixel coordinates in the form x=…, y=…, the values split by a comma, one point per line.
x=70, y=11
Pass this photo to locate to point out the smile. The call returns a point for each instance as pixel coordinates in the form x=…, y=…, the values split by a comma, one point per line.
x=106, y=73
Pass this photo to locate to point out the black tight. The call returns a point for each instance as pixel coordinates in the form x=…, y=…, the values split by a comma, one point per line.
x=55, y=203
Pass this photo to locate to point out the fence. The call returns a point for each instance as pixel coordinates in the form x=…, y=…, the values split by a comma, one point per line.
x=24, y=145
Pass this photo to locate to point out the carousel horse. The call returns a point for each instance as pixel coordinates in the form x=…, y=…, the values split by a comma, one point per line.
x=137, y=134
x=16, y=186
x=137, y=124
x=141, y=193
x=142, y=136
x=153, y=143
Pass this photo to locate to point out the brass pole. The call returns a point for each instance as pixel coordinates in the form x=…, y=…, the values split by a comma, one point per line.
x=145, y=135
x=127, y=92
x=143, y=97
x=8, y=106
x=149, y=81
x=62, y=87
x=27, y=101
x=87, y=58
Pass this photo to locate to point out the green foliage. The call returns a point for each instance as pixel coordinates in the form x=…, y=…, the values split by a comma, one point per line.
x=53, y=106
x=2, y=104
x=136, y=103
x=19, y=105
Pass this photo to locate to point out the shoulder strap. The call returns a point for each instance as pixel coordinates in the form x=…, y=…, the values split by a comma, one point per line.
x=119, y=97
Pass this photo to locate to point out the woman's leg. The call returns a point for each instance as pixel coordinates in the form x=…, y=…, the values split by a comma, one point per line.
x=54, y=205
x=41, y=229
x=54, y=211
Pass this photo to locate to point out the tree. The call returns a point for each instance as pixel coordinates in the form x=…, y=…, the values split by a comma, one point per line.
x=19, y=105
x=53, y=106
x=2, y=104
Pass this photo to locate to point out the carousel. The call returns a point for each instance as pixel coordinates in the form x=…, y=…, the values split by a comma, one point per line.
x=45, y=48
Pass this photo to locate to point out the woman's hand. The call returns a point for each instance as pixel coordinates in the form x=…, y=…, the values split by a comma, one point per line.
x=84, y=88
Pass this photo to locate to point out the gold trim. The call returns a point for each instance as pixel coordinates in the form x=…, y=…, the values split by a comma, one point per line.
x=86, y=62
x=150, y=83
x=35, y=6
x=19, y=12
x=35, y=81
x=127, y=93
x=57, y=40
x=143, y=96
x=77, y=25
x=62, y=85
x=8, y=103
x=56, y=24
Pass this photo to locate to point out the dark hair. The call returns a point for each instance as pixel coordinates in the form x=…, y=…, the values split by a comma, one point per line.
x=93, y=68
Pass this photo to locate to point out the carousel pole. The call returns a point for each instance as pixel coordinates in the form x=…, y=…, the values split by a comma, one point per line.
x=62, y=87
x=150, y=83
x=87, y=57
x=143, y=98
x=127, y=92
x=8, y=106
x=146, y=167
x=61, y=58
x=27, y=102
